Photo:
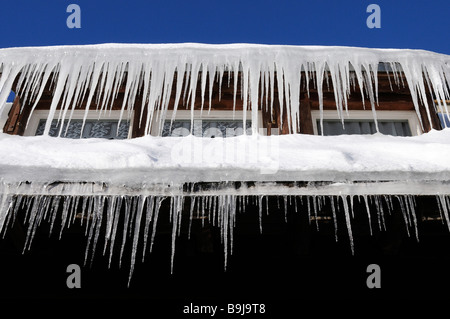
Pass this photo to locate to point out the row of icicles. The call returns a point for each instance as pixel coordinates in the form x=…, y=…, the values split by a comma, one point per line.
x=97, y=75
x=139, y=216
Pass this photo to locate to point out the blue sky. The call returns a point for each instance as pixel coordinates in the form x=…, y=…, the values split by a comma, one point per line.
x=416, y=24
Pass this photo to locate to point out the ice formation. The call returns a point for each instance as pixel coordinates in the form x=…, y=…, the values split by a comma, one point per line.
x=140, y=213
x=96, y=72
x=54, y=183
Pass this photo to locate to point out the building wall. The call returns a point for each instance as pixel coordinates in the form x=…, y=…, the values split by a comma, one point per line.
x=390, y=98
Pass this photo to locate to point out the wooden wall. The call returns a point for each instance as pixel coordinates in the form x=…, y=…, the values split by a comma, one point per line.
x=396, y=99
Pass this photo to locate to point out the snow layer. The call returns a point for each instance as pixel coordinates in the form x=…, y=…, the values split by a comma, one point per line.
x=177, y=160
x=78, y=72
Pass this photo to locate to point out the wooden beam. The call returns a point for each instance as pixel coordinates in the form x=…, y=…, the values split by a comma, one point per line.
x=306, y=124
x=17, y=118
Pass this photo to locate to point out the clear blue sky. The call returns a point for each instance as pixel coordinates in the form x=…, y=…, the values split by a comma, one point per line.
x=417, y=24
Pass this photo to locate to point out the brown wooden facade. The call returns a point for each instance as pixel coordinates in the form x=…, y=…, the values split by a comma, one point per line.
x=390, y=98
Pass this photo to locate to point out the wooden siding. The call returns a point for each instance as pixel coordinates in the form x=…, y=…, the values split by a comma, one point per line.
x=397, y=98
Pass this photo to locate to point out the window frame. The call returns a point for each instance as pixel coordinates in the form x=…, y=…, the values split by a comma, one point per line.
x=112, y=115
x=355, y=115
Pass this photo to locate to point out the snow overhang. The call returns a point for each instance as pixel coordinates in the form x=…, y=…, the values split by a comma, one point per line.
x=417, y=164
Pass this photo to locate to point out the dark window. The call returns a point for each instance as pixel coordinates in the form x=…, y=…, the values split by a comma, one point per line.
x=206, y=128
x=92, y=129
x=387, y=127
x=445, y=119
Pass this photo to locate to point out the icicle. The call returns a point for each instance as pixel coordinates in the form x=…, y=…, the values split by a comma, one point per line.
x=411, y=204
x=137, y=227
x=203, y=210
x=314, y=198
x=99, y=202
x=368, y=213
x=5, y=205
x=117, y=210
x=65, y=211
x=348, y=222
x=445, y=205
x=260, y=205
x=333, y=211
x=176, y=209
x=404, y=213
x=309, y=209
x=127, y=202
x=158, y=202
x=110, y=203
x=148, y=219
x=40, y=204
x=11, y=214
x=380, y=213
x=295, y=204
x=73, y=211
x=226, y=220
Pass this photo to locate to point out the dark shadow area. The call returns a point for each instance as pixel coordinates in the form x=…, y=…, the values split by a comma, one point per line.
x=288, y=262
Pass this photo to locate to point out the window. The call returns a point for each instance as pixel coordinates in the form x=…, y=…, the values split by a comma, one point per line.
x=387, y=127
x=207, y=124
x=396, y=123
x=206, y=128
x=106, y=127
x=445, y=119
x=92, y=129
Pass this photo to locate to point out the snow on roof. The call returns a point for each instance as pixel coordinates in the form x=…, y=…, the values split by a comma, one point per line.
x=178, y=160
x=77, y=71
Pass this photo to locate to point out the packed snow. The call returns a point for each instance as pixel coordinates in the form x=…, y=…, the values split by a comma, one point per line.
x=178, y=160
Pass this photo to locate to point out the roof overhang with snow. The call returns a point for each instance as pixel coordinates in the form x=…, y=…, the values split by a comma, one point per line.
x=78, y=71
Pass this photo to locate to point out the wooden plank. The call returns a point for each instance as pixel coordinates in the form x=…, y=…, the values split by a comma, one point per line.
x=17, y=118
x=13, y=116
x=306, y=124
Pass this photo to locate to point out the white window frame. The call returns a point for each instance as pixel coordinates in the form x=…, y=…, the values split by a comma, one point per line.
x=112, y=115
x=185, y=115
x=443, y=109
x=356, y=115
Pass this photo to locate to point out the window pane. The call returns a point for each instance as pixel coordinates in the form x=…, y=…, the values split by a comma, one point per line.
x=92, y=129
x=177, y=128
x=387, y=127
x=206, y=128
x=445, y=119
